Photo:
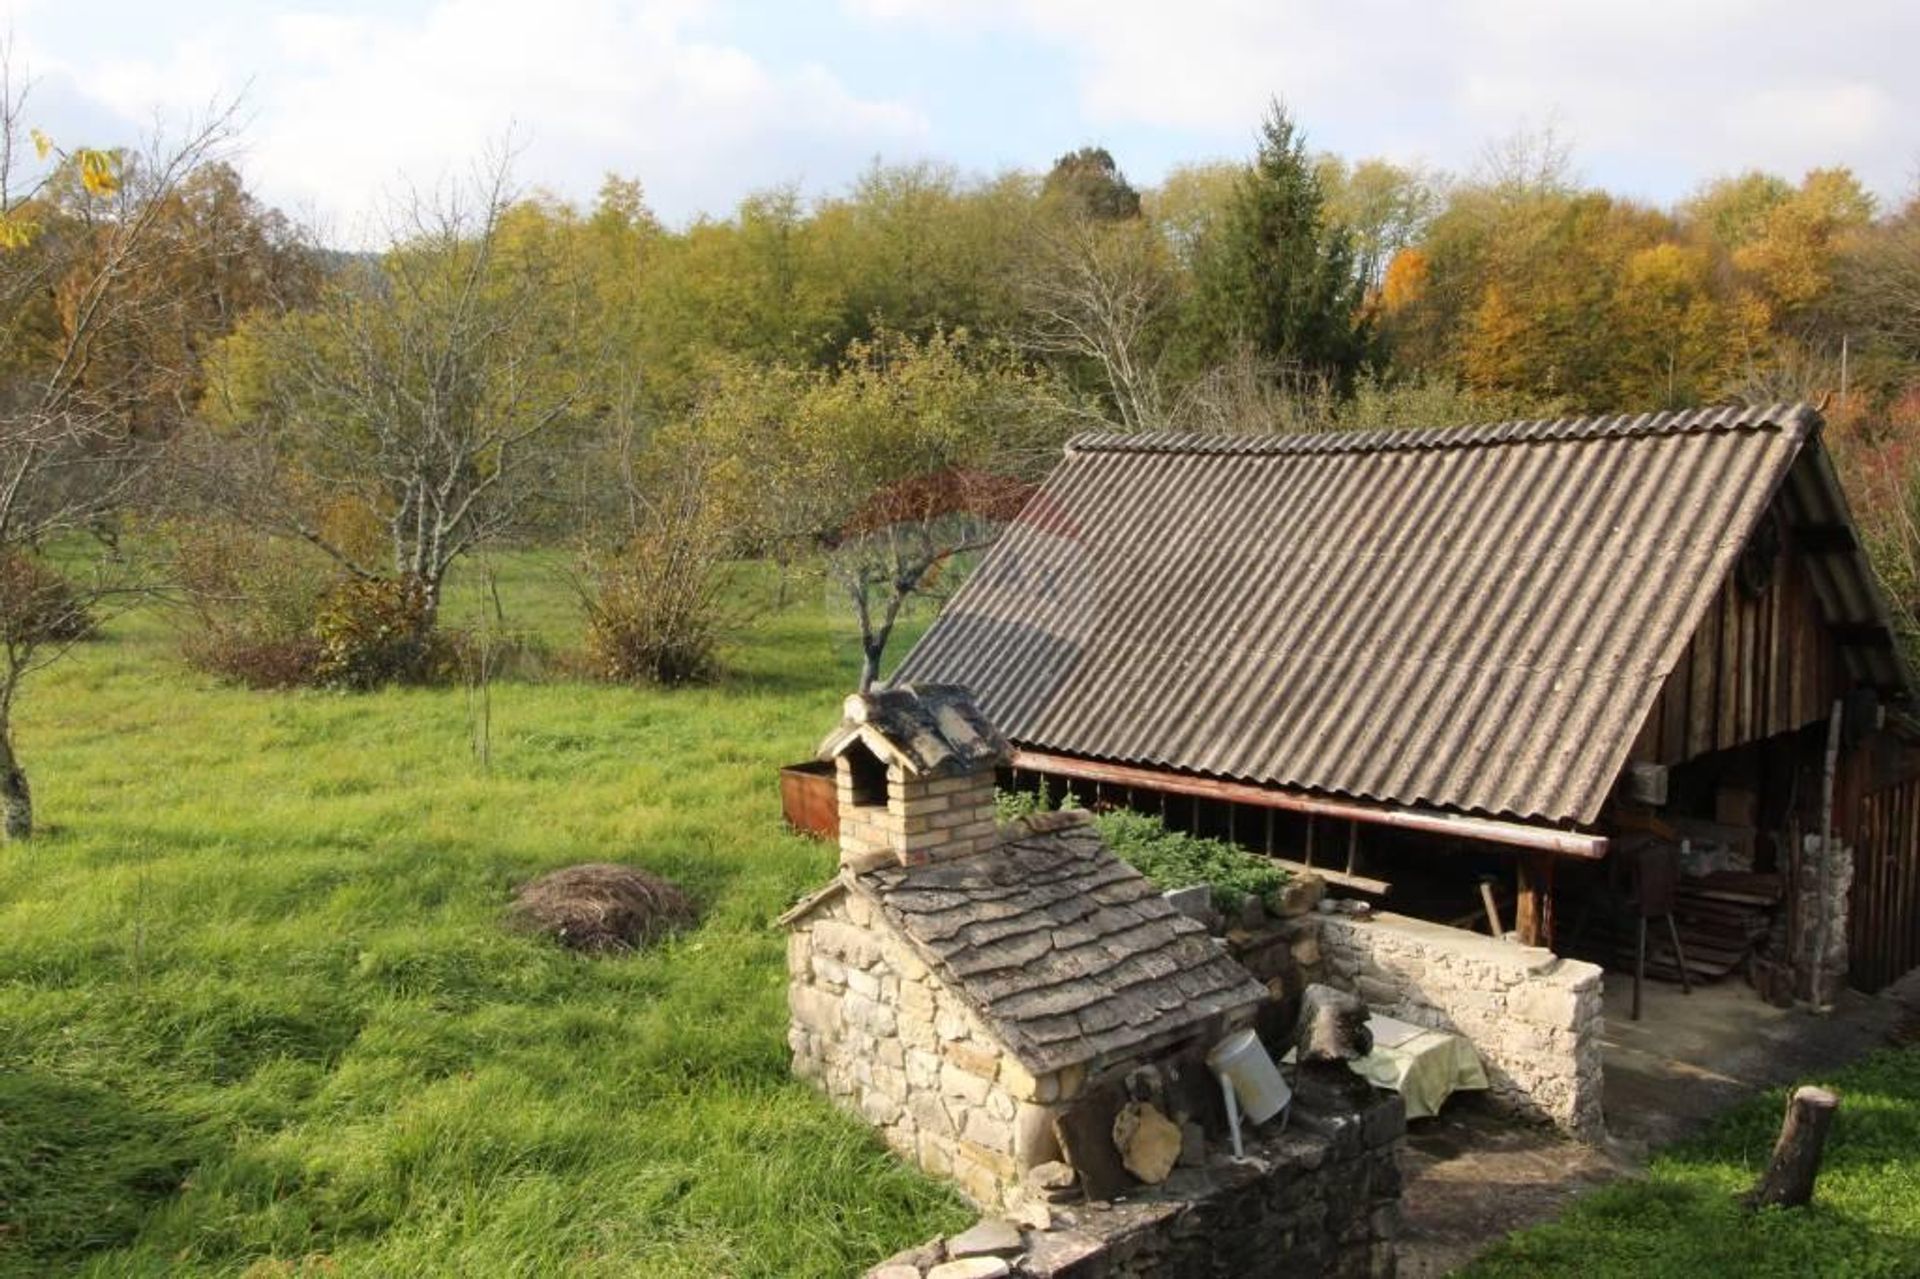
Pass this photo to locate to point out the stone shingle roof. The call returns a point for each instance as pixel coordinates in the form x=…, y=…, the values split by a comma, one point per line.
x=929, y=729
x=1066, y=952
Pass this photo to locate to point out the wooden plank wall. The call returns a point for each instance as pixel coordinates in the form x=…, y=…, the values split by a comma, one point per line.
x=1756, y=666
x=1884, y=927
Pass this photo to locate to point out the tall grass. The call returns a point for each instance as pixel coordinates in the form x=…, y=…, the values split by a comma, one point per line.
x=258, y=1013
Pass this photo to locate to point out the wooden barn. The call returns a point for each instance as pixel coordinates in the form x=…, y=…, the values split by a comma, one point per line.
x=1623, y=686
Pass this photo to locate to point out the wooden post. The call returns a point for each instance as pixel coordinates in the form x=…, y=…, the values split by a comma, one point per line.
x=1789, y=1176
x=1526, y=904
x=1543, y=878
x=1534, y=920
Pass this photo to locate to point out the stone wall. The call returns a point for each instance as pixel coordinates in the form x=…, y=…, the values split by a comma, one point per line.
x=1320, y=1196
x=1535, y=1018
x=874, y=1028
x=1284, y=956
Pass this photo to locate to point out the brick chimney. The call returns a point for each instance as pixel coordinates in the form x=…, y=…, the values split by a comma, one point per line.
x=914, y=770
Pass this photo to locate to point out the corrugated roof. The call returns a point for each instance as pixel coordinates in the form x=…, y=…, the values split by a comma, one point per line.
x=1476, y=619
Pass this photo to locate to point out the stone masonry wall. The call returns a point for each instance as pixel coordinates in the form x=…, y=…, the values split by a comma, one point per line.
x=1320, y=1196
x=923, y=819
x=879, y=1033
x=1535, y=1018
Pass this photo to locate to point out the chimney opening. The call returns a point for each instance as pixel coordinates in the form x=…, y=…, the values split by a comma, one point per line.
x=869, y=776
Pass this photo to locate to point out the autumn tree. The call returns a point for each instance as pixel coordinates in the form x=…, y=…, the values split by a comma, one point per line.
x=1276, y=274
x=1384, y=207
x=87, y=269
x=930, y=447
x=429, y=386
x=894, y=466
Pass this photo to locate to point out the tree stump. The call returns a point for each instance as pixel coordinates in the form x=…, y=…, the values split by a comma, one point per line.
x=1332, y=1026
x=1788, y=1179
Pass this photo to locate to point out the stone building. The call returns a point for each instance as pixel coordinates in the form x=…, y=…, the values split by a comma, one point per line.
x=959, y=982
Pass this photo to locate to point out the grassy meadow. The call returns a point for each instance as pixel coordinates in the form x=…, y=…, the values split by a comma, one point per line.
x=258, y=1015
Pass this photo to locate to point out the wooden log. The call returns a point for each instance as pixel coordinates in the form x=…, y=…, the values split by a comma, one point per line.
x=1332, y=1026
x=1789, y=1176
x=1493, y=909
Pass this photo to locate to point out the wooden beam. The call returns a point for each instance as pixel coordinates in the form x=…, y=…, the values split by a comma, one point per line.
x=1486, y=830
x=1358, y=883
x=1526, y=909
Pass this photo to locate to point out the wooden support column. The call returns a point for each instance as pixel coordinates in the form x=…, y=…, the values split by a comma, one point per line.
x=1533, y=913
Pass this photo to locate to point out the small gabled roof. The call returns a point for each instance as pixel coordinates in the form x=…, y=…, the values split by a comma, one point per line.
x=930, y=730
x=1069, y=955
x=1475, y=619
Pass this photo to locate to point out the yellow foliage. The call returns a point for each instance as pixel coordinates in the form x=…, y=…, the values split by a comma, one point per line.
x=1406, y=280
x=1493, y=359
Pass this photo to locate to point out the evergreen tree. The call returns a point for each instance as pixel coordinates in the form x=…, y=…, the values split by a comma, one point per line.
x=1277, y=276
x=1089, y=184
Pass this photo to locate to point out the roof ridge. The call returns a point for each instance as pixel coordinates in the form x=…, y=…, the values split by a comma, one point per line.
x=1722, y=418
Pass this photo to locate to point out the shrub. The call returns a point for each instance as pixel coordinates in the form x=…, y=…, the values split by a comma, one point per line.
x=1170, y=858
x=251, y=602
x=376, y=631
x=1174, y=859
x=655, y=607
x=649, y=620
x=38, y=605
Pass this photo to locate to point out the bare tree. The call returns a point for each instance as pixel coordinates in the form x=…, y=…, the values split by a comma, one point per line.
x=1248, y=393
x=427, y=386
x=1102, y=292
x=82, y=238
x=1879, y=279
x=910, y=540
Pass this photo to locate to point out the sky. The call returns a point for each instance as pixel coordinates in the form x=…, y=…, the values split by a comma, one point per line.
x=348, y=104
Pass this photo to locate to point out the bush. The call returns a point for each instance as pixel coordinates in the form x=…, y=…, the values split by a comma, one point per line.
x=376, y=631
x=1174, y=859
x=38, y=605
x=274, y=613
x=251, y=600
x=655, y=608
x=1170, y=858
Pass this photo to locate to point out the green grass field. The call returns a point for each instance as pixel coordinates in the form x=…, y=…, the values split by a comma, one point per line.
x=1684, y=1220
x=258, y=1014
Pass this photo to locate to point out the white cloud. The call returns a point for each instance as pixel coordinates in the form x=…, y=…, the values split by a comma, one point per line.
x=346, y=110
x=1649, y=88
